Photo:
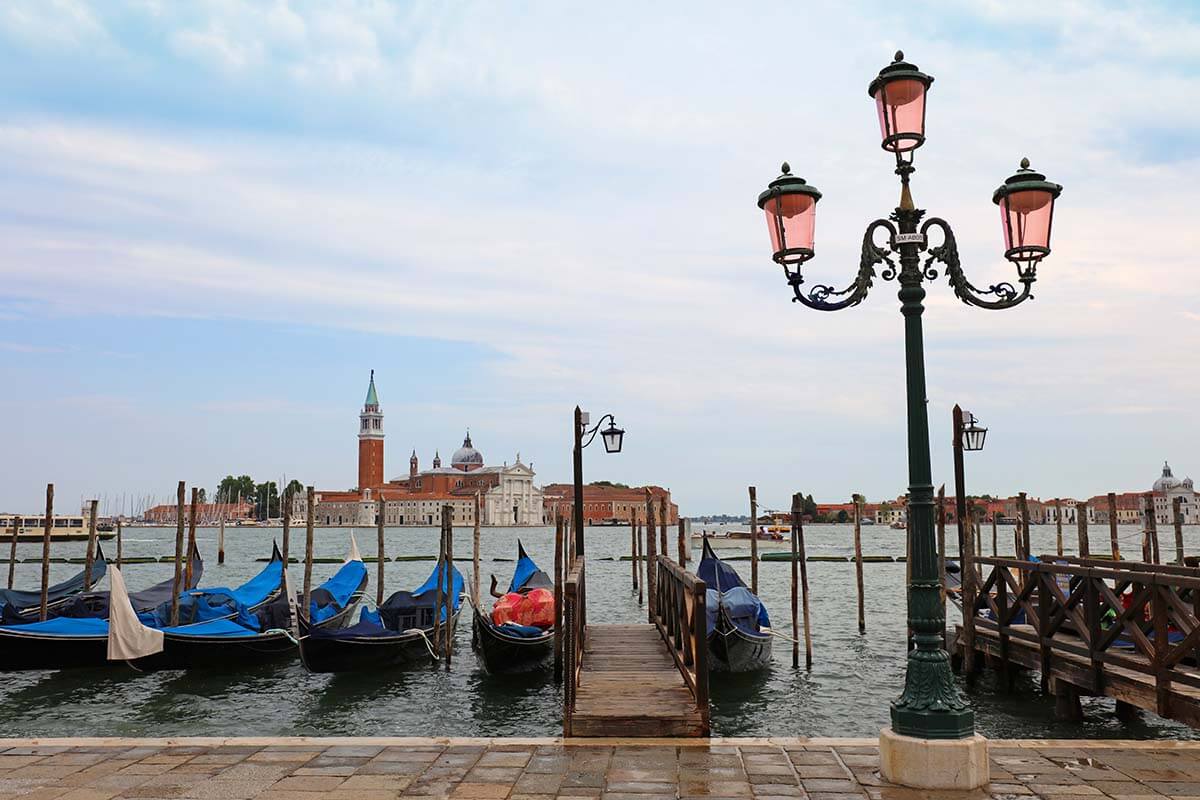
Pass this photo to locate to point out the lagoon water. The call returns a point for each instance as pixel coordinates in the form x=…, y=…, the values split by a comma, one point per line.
x=846, y=693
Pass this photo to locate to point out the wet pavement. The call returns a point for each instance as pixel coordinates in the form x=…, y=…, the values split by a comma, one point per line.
x=541, y=769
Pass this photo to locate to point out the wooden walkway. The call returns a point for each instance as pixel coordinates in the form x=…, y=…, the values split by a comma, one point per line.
x=629, y=685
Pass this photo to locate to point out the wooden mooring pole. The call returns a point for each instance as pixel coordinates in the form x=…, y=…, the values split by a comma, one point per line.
x=1058, y=523
x=1177, y=518
x=12, y=549
x=1151, y=529
x=662, y=526
x=1081, y=523
x=1112, y=526
x=683, y=543
x=559, y=573
x=381, y=556
x=795, y=588
x=641, y=564
x=995, y=535
x=754, y=540
x=47, y=527
x=120, y=561
x=448, y=515
x=967, y=571
x=475, y=559
x=633, y=551
x=287, y=531
x=439, y=583
x=90, y=560
x=309, y=519
x=177, y=583
x=1024, y=529
x=191, y=540
x=858, y=562
x=651, y=558
x=221, y=540
x=798, y=536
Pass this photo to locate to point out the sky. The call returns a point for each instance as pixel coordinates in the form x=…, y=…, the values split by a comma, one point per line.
x=217, y=217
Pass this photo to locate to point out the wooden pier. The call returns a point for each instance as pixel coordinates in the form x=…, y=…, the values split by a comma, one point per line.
x=1125, y=630
x=640, y=680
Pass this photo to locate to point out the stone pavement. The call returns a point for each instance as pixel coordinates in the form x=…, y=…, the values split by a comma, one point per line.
x=541, y=769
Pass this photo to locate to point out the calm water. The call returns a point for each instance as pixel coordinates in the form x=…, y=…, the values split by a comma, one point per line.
x=846, y=694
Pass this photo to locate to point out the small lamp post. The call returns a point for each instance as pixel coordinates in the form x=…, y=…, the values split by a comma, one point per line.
x=613, y=438
x=931, y=706
x=968, y=435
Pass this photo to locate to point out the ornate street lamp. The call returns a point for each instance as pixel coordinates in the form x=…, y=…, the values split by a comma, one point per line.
x=613, y=438
x=931, y=707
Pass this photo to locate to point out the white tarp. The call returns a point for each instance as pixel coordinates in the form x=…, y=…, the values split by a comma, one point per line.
x=128, y=638
x=354, y=554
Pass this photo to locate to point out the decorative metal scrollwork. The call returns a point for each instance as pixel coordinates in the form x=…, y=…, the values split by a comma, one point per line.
x=1005, y=293
x=823, y=297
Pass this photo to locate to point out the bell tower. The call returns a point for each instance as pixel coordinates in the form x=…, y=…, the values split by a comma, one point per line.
x=370, y=441
x=412, y=469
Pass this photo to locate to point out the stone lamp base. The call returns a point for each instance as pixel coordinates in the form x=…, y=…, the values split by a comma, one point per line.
x=933, y=763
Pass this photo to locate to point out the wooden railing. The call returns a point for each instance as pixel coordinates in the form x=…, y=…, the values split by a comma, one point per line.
x=678, y=608
x=1086, y=615
x=575, y=635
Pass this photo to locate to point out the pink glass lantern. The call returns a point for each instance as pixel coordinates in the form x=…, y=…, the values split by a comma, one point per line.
x=790, y=205
x=1026, y=202
x=899, y=91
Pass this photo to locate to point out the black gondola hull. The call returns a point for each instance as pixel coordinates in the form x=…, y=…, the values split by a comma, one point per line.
x=369, y=653
x=503, y=654
x=22, y=651
x=731, y=649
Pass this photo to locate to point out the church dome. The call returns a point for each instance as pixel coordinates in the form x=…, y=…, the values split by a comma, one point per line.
x=1168, y=481
x=466, y=457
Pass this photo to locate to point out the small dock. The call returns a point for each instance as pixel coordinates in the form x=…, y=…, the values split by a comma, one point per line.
x=640, y=680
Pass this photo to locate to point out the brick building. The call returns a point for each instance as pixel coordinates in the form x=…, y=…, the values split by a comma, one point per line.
x=207, y=513
x=604, y=503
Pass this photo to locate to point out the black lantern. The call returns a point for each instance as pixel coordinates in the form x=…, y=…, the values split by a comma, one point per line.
x=791, y=208
x=972, y=434
x=899, y=92
x=1026, y=203
x=613, y=436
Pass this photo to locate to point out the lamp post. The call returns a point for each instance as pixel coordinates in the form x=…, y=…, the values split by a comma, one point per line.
x=613, y=438
x=968, y=435
x=931, y=706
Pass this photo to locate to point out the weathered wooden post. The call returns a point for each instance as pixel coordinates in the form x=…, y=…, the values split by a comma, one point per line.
x=1081, y=523
x=754, y=540
x=662, y=527
x=1151, y=528
x=682, y=543
x=1025, y=546
x=994, y=534
x=439, y=583
x=221, y=539
x=1177, y=517
x=559, y=577
x=1058, y=522
x=641, y=562
x=90, y=559
x=308, y=549
x=1112, y=526
x=651, y=559
x=191, y=540
x=795, y=588
x=47, y=527
x=12, y=549
x=120, y=562
x=801, y=558
x=967, y=571
x=475, y=560
x=381, y=556
x=633, y=552
x=448, y=514
x=177, y=583
x=858, y=562
x=287, y=529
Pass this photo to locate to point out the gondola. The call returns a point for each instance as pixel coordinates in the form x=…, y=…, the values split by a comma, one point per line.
x=68, y=642
x=17, y=605
x=739, y=630
x=395, y=636
x=262, y=634
x=96, y=604
x=514, y=648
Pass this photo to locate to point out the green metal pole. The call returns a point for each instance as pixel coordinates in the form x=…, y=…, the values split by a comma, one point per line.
x=931, y=706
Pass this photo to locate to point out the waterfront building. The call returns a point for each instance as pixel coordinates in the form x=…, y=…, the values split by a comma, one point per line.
x=605, y=503
x=1070, y=513
x=1165, y=490
x=507, y=494
x=1129, y=508
x=206, y=513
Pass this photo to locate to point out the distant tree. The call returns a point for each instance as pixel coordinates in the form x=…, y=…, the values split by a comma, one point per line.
x=231, y=488
x=266, y=500
x=842, y=516
x=202, y=496
x=293, y=489
x=609, y=484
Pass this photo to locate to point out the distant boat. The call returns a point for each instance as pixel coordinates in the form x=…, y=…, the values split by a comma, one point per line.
x=739, y=630
x=763, y=536
x=509, y=647
x=900, y=526
x=64, y=529
x=866, y=521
